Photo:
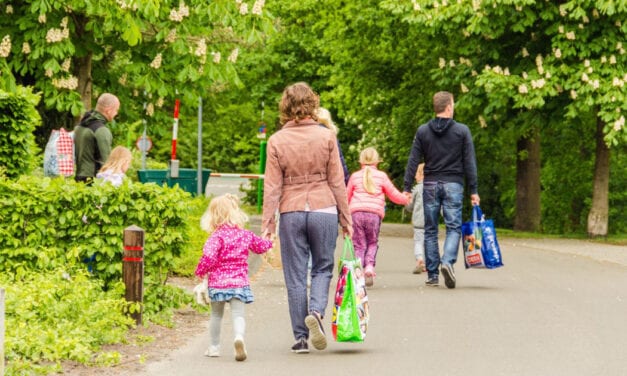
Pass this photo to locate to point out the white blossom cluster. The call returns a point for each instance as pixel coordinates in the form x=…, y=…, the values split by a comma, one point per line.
x=69, y=83
x=25, y=48
x=182, y=12
x=57, y=35
x=463, y=88
x=216, y=57
x=66, y=65
x=160, y=102
x=150, y=109
x=5, y=46
x=243, y=9
x=233, y=56
x=156, y=62
x=171, y=37
x=124, y=5
x=619, y=124
x=482, y=122
x=201, y=48
x=122, y=79
x=9, y=9
x=258, y=7
x=42, y=18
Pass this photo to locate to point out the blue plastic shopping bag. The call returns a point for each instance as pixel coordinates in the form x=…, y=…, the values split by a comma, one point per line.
x=481, y=248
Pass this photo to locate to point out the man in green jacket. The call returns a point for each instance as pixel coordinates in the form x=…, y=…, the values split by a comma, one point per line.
x=92, y=138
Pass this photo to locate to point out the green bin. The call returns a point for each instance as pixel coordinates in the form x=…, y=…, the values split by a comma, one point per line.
x=187, y=180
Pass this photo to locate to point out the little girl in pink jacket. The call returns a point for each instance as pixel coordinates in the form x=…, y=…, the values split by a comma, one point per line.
x=367, y=190
x=224, y=261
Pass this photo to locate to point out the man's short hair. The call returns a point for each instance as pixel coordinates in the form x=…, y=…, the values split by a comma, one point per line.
x=441, y=99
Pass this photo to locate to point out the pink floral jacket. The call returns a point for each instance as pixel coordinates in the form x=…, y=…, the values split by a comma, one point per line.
x=225, y=256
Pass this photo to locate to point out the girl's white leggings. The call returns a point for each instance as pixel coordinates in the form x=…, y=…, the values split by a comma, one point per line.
x=215, y=320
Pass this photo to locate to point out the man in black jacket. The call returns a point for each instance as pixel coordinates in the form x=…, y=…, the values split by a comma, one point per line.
x=449, y=156
x=92, y=138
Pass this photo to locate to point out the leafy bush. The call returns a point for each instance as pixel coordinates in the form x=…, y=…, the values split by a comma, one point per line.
x=18, y=120
x=60, y=315
x=50, y=223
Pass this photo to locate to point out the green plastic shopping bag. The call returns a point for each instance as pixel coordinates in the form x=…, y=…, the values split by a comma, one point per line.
x=350, y=311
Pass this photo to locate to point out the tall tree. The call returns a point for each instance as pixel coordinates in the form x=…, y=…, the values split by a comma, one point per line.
x=146, y=52
x=569, y=51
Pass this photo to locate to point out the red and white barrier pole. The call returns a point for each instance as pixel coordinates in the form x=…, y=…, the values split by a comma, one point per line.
x=174, y=163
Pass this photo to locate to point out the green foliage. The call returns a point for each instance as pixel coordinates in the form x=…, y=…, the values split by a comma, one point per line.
x=62, y=314
x=18, y=120
x=41, y=233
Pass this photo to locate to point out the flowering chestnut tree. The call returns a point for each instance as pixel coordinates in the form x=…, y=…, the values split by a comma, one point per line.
x=567, y=58
x=146, y=52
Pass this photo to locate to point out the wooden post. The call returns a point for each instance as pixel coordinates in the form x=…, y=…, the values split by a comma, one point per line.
x=1, y=331
x=133, y=267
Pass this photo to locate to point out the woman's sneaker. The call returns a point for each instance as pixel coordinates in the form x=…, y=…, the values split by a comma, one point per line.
x=316, y=332
x=240, y=349
x=300, y=346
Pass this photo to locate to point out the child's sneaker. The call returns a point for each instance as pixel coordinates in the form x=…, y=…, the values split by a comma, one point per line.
x=370, y=274
x=240, y=349
x=213, y=351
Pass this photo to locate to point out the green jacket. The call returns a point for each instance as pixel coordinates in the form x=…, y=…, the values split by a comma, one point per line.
x=92, y=144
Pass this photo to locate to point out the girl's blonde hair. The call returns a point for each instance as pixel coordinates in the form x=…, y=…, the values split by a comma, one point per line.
x=119, y=160
x=223, y=210
x=324, y=118
x=369, y=157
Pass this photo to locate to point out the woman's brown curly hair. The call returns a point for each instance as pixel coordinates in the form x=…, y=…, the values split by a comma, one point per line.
x=298, y=102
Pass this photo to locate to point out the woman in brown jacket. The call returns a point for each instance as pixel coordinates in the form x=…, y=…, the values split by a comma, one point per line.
x=304, y=182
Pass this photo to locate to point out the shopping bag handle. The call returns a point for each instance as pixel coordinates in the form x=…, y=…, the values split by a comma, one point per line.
x=348, y=247
x=477, y=214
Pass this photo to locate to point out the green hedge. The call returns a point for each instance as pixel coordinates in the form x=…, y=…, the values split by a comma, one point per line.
x=18, y=120
x=50, y=223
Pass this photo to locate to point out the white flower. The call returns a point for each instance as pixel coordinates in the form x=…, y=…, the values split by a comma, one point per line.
x=612, y=59
x=160, y=102
x=522, y=89
x=586, y=63
x=66, y=65
x=573, y=94
x=216, y=57
x=482, y=122
x=570, y=35
x=603, y=59
x=42, y=18
x=5, y=46
x=9, y=9
x=243, y=9
x=70, y=83
x=441, y=63
x=258, y=7
x=150, y=109
x=56, y=35
x=618, y=124
x=64, y=22
x=156, y=62
x=171, y=37
x=464, y=88
x=525, y=75
x=561, y=29
x=201, y=48
x=538, y=84
x=122, y=80
x=547, y=75
x=525, y=53
x=617, y=82
x=595, y=84
x=25, y=48
x=557, y=53
x=584, y=77
x=49, y=72
x=506, y=72
x=233, y=56
x=474, y=73
x=563, y=10
x=451, y=63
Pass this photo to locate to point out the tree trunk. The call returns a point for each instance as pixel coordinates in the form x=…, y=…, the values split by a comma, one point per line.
x=528, y=210
x=84, y=79
x=598, y=216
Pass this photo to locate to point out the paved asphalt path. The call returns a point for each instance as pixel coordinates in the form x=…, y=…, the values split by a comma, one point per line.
x=557, y=307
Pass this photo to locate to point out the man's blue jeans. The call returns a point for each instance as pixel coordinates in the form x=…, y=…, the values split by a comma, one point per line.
x=445, y=197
